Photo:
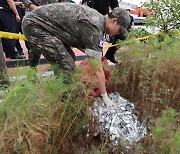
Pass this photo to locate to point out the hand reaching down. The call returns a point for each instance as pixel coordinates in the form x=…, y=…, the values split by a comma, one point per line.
x=109, y=103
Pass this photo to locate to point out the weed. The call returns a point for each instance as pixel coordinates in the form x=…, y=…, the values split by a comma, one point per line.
x=166, y=132
x=35, y=117
x=51, y=115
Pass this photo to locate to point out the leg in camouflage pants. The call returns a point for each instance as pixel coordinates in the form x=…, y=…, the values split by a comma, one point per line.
x=51, y=47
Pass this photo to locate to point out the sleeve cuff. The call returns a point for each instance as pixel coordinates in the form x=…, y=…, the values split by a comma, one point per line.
x=93, y=53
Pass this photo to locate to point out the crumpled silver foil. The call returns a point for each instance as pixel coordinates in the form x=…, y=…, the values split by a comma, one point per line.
x=120, y=123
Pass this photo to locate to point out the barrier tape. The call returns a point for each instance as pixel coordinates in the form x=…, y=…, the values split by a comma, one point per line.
x=15, y=36
x=22, y=37
x=136, y=39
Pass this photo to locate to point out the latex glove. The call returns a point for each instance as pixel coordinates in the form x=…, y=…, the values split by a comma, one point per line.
x=26, y=3
x=109, y=103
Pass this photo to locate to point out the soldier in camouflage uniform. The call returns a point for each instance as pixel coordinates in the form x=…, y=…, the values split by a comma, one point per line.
x=53, y=29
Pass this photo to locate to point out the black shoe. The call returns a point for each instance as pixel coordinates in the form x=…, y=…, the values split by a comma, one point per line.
x=17, y=56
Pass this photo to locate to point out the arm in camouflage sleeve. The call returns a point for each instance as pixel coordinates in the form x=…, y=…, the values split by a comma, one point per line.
x=45, y=2
x=32, y=4
x=29, y=4
x=92, y=38
x=64, y=0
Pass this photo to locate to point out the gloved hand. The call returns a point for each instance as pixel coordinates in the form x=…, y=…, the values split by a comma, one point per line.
x=26, y=3
x=109, y=103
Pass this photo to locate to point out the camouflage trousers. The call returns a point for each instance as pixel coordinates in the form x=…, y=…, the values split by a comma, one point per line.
x=51, y=47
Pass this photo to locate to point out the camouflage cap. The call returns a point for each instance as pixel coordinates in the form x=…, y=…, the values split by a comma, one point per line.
x=123, y=20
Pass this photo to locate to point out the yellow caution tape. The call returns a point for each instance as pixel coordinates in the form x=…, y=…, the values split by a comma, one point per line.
x=12, y=36
x=136, y=39
x=22, y=37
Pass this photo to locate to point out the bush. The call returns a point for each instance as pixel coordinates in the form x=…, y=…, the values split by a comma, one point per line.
x=43, y=116
x=149, y=74
x=136, y=33
x=166, y=132
x=167, y=14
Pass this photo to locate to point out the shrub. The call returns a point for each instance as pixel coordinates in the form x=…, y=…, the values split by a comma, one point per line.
x=149, y=74
x=43, y=116
x=166, y=132
x=167, y=14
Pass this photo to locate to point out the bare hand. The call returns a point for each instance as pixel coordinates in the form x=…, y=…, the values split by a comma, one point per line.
x=18, y=18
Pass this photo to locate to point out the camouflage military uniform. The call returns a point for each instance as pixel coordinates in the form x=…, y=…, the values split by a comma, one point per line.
x=53, y=29
x=45, y=2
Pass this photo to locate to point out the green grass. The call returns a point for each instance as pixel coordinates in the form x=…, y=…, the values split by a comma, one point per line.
x=51, y=115
x=165, y=133
x=149, y=76
x=40, y=115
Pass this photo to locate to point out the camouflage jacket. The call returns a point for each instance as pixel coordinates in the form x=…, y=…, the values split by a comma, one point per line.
x=76, y=25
